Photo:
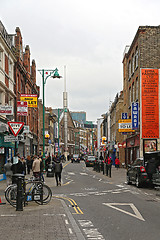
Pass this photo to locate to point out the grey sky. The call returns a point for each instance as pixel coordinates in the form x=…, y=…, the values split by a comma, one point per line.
x=88, y=36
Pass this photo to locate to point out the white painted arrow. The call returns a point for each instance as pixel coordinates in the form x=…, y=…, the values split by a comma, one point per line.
x=136, y=215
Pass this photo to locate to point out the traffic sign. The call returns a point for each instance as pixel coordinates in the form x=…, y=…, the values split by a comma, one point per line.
x=11, y=138
x=22, y=108
x=15, y=127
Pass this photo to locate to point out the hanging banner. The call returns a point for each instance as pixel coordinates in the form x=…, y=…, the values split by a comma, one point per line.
x=150, y=103
x=135, y=115
x=31, y=99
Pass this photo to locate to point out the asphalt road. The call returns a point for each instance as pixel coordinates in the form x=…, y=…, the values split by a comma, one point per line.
x=106, y=210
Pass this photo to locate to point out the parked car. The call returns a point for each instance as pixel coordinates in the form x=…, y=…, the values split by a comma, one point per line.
x=90, y=160
x=75, y=158
x=136, y=173
x=152, y=163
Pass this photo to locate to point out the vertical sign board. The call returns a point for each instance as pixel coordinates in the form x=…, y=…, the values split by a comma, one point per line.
x=134, y=115
x=150, y=103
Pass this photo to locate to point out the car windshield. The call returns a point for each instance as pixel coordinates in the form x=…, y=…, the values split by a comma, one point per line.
x=91, y=158
x=138, y=162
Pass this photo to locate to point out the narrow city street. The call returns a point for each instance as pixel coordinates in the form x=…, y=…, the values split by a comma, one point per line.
x=109, y=210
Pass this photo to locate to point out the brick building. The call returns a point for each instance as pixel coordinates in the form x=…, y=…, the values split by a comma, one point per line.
x=7, y=94
x=144, y=52
x=25, y=83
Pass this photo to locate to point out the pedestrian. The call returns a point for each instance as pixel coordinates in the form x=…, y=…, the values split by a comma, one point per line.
x=29, y=164
x=23, y=165
x=58, y=170
x=47, y=162
x=41, y=168
x=20, y=165
x=8, y=171
x=117, y=163
x=36, y=168
x=151, y=169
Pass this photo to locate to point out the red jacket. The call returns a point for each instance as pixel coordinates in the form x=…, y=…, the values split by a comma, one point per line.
x=117, y=162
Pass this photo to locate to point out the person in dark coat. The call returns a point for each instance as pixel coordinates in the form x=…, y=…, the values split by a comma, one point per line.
x=29, y=164
x=58, y=170
x=151, y=168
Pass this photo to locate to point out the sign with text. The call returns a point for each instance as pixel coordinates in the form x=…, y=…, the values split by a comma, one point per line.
x=31, y=99
x=150, y=103
x=15, y=127
x=124, y=115
x=125, y=125
x=22, y=108
x=6, y=110
x=10, y=138
x=134, y=115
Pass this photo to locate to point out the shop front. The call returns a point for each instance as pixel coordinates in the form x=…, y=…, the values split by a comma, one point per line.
x=132, y=148
x=6, y=151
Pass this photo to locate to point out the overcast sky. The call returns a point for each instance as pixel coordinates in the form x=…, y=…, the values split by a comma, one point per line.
x=86, y=36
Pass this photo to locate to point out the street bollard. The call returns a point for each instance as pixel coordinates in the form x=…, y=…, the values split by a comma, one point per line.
x=106, y=169
x=19, y=200
x=110, y=167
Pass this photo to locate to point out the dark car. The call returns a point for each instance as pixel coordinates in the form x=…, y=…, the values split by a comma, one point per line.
x=152, y=163
x=136, y=173
x=90, y=160
x=75, y=158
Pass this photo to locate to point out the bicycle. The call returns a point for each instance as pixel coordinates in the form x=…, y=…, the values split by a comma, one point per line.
x=33, y=190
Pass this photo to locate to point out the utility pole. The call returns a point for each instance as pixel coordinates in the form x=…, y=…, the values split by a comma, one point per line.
x=65, y=105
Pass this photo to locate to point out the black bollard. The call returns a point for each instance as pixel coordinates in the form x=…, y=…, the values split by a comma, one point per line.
x=19, y=200
x=110, y=167
x=106, y=169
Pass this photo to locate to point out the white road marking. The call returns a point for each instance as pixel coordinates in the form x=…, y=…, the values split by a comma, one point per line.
x=8, y=215
x=89, y=230
x=84, y=173
x=66, y=221
x=136, y=215
x=70, y=231
x=85, y=223
x=71, y=173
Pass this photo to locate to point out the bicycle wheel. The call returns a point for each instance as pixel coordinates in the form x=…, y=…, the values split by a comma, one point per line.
x=11, y=194
x=47, y=194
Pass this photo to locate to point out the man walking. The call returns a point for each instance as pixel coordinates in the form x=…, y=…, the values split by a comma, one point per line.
x=36, y=168
x=58, y=170
x=8, y=171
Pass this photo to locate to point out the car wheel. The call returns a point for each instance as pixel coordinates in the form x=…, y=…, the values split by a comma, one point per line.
x=138, y=183
x=128, y=180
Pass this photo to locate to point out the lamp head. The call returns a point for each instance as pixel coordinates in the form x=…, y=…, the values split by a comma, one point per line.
x=56, y=74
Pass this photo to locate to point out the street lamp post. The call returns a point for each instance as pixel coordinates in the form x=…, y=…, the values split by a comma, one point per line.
x=46, y=74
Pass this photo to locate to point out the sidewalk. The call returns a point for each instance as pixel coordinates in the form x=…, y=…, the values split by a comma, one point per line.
x=38, y=222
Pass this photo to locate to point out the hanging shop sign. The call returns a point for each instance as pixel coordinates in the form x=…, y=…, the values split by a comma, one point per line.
x=22, y=108
x=6, y=110
x=31, y=99
x=135, y=115
x=2, y=151
x=124, y=115
x=125, y=125
x=150, y=103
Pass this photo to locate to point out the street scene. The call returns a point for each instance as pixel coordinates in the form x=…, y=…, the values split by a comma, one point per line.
x=87, y=205
x=79, y=120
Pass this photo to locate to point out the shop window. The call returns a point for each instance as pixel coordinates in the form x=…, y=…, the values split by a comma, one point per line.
x=1, y=58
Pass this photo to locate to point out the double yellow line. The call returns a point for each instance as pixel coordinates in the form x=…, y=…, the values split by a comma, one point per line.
x=73, y=204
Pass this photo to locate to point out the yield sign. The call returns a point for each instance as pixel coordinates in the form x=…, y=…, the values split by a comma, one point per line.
x=15, y=127
x=135, y=210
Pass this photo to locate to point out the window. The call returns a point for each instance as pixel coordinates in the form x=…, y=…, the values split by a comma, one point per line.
x=133, y=94
x=130, y=97
x=1, y=58
x=129, y=69
x=10, y=69
x=136, y=64
x=133, y=64
x=137, y=88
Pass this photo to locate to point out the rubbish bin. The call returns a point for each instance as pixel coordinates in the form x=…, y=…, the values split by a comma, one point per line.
x=15, y=177
x=50, y=171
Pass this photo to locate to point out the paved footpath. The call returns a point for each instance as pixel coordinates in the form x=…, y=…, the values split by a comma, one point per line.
x=38, y=222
